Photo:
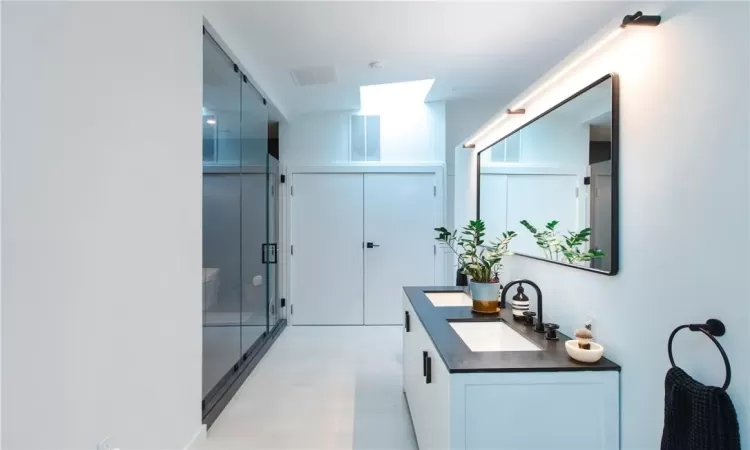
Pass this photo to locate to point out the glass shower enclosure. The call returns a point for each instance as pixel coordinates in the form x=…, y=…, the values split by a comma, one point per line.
x=239, y=223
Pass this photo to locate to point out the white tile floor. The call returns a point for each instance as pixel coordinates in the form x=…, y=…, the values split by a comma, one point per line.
x=321, y=388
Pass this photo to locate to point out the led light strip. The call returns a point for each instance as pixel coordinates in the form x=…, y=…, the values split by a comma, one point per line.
x=636, y=19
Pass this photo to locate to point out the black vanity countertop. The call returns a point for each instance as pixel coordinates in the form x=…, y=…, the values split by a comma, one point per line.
x=459, y=358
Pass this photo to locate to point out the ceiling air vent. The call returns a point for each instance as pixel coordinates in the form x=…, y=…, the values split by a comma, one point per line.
x=311, y=76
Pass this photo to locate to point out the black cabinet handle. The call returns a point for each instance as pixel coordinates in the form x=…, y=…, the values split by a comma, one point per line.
x=428, y=370
x=372, y=245
x=407, y=321
x=424, y=363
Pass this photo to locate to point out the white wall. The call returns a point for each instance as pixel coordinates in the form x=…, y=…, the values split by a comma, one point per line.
x=101, y=208
x=1, y=228
x=414, y=136
x=683, y=210
x=462, y=117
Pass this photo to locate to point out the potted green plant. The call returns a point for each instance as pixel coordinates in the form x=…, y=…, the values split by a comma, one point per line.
x=559, y=247
x=478, y=261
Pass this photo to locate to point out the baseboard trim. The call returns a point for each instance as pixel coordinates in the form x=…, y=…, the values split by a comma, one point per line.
x=197, y=439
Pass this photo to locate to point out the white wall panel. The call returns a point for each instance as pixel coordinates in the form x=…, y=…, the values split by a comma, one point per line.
x=101, y=241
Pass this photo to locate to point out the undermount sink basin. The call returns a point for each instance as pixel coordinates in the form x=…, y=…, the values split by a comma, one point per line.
x=492, y=337
x=449, y=298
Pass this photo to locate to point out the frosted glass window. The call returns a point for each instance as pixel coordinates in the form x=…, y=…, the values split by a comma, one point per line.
x=373, y=138
x=357, y=143
x=507, y=150
x=364, y=142
x=513, y=147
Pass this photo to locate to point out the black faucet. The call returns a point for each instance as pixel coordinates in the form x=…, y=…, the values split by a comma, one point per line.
x=539, y=327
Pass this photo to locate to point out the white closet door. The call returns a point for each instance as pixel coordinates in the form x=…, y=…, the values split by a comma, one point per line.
x=399, y=222
x=327, y=264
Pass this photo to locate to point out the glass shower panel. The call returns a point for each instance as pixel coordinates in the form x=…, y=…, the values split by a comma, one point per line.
x=255, y=252
x=222, y=197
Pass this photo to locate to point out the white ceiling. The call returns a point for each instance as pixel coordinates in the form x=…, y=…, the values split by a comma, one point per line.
x=471, y=49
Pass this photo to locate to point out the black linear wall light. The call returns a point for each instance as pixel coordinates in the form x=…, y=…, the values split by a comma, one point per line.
x=640, y=20
x=637, y=19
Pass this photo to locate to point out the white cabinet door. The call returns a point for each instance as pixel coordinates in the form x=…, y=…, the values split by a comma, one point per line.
x=399, y=221
x=412, y=366
x=419, y=402
x=409, y=363
x=327, y=262
x=435, y=415
x=427, y=386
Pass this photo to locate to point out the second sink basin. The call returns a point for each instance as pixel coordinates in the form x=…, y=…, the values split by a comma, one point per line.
x=449, y=298
x=492, y=337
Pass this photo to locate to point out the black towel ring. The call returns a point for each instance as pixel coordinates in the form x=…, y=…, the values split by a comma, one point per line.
x=712, y=327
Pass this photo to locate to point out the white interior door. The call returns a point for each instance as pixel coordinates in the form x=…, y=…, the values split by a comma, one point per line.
x=399, y=219
x=327, y=263
x=601, y=213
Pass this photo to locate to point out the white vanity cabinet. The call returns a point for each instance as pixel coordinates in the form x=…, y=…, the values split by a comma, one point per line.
x=521, y=410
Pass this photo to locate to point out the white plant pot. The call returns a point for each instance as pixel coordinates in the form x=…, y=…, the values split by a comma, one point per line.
x=484, y=297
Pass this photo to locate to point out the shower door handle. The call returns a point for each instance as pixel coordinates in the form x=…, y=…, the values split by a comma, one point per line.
x=267, y=250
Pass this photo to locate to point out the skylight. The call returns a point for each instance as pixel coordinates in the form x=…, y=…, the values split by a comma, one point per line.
x=377, y=98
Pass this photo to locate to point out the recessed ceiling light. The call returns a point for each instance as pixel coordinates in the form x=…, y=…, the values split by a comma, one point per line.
x=211, y=121
x=377, y=98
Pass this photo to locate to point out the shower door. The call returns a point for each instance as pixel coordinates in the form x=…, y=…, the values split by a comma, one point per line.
x=254, y=219
x=235, y=222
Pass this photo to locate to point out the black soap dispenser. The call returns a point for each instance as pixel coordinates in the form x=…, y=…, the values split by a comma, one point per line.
x=520, y=303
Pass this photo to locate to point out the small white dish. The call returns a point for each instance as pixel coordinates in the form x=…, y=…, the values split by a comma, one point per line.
x=588, y=356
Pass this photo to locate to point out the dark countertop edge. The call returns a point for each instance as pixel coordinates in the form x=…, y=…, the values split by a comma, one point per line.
x=458, y=358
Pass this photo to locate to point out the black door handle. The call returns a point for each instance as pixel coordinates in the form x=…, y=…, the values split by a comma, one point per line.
x=264, y=253
x=428, y=369
x=407, y=321
x=424, y=363
x=372, y=245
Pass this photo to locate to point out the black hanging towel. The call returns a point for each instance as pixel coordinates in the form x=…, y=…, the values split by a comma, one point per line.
x=696, y=416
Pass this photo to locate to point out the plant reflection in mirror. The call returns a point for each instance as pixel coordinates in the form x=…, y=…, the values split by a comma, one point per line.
x=557, y=246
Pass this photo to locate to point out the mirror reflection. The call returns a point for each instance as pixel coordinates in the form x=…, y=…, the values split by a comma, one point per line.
x=554, y=182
